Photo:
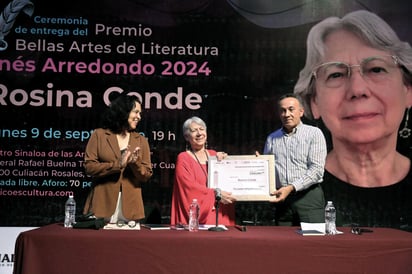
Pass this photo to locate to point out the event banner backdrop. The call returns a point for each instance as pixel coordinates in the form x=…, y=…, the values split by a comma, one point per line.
x=225, y=61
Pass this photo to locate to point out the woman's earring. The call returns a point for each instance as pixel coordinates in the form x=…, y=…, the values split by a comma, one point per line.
x=405, y=132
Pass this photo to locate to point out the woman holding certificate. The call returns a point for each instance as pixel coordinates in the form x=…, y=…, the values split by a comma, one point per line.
x=191, y=180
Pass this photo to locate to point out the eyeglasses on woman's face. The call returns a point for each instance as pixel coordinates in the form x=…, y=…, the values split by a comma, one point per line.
x=376, y=69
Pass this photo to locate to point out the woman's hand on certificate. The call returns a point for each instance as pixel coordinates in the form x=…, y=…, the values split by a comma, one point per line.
x=221, y=155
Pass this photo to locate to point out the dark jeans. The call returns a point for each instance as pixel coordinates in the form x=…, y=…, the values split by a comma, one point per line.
x=303, y=206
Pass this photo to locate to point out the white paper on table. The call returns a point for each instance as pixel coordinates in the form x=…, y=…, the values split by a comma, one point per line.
x=315, y=226
x=206, y=227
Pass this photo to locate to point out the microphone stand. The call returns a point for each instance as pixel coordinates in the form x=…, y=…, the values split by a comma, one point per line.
x=216, y=227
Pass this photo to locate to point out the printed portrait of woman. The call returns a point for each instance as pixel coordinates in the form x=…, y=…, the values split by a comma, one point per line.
x=357, y=82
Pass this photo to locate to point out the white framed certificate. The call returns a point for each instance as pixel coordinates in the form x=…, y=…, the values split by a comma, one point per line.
x=247, y=177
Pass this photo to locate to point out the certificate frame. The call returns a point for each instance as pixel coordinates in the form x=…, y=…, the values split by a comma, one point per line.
x=247, y=177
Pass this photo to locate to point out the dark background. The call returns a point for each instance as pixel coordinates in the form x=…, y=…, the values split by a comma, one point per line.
x=259, y=59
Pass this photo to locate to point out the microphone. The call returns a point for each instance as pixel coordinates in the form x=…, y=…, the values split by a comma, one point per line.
x=218, y=197
x=218, y=194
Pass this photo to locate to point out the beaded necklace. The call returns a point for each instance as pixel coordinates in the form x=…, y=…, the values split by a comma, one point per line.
x=201, y=166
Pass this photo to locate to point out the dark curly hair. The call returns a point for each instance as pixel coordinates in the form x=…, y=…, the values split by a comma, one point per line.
x=116, y=116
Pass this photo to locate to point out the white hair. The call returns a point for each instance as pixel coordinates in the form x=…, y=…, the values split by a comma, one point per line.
x=367, y=26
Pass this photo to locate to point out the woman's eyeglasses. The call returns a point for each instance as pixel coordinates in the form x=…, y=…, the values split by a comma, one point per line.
x=355, y=229
x=131, y=224
x=376, y=69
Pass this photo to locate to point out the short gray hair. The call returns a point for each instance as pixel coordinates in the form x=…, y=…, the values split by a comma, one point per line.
x=188, y=123
x=367, y=26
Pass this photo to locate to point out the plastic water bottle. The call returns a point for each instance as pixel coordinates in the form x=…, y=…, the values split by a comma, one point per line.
x=330, y=219
x=70, y=212
x=194, y=216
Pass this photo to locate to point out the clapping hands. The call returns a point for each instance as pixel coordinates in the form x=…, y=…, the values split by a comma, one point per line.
x=129, y=156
